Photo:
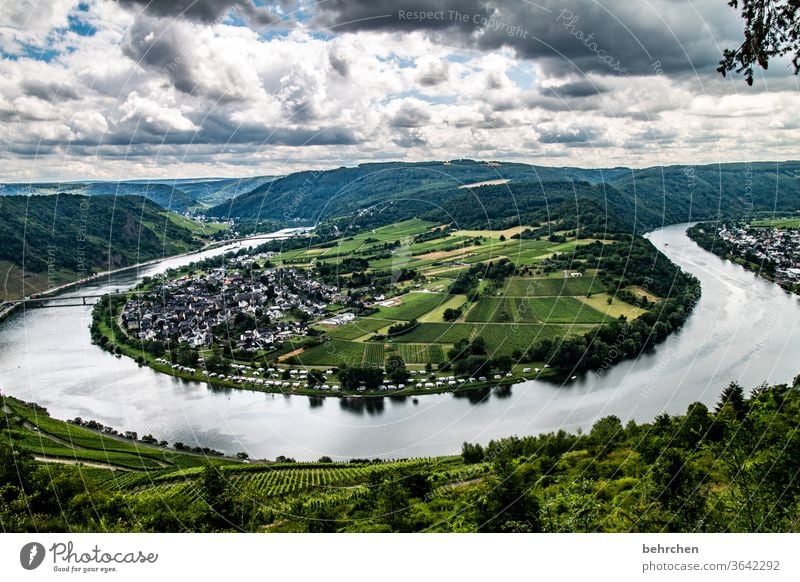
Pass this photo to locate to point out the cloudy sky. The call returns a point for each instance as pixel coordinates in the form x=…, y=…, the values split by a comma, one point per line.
x=182, y=88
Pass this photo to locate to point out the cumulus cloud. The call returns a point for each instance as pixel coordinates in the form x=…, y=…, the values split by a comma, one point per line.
x=203, y=87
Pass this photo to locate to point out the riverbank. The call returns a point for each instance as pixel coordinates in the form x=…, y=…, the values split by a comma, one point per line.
x=47, y=358
x=8, y=308
x=728, y=252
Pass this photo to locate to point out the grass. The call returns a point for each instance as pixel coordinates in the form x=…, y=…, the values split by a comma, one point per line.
x=778, y=222
x=412, y=306
x=436, y=315
x=16, y=283
x=599, y=302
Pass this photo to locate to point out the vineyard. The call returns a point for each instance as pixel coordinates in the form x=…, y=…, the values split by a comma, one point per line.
x=502, y=310
x=412, y=306
x=552, y=287
x=263, y=482
x=421, y=353
x=333, y=353
x=564, y=310
x=373, y=355
x=356, y=329
x=505, y=338
x=445, y=333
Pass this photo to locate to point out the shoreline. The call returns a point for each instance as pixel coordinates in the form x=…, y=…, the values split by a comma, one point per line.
x=8, y=308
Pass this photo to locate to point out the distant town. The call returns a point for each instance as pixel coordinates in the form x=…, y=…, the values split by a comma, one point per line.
x=776, y=249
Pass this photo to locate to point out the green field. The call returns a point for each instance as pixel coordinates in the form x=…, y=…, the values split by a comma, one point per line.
x=502, y=310
x=421, y=353
x=333, y=353
x=373, y=354
x=564, y=310
x=533, y=310
x=360, y=327
x=778, y=222
x=444, y=333
x=34, y=431
x=412, y=306
x=505, y=338
x=530, y=286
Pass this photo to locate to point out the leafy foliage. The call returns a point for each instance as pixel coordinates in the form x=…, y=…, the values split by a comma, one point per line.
x=772, y=29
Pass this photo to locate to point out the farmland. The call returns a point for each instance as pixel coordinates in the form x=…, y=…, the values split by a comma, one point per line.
x=549, y=287
x=412, y=305
x=414, y=290
x=333, y=352
x=31, y=429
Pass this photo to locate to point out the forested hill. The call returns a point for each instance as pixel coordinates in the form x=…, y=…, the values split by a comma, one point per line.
x=648, y=197
x=596, y=208
x=67, y=236
x=178, y=195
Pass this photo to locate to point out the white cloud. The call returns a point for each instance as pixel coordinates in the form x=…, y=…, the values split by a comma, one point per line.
x=146, y=96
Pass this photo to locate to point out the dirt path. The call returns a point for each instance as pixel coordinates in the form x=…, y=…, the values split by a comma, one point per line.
x=93, y=464
x=288, y=355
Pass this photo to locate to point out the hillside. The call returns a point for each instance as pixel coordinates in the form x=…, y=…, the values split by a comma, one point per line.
x=178, y=195
x=730, y=469
x=50, y=240
x=649, y=197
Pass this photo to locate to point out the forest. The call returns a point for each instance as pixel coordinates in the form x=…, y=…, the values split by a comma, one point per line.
x=69, y=236
x=382, y=193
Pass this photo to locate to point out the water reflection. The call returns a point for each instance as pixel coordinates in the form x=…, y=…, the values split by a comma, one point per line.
x=743, y=329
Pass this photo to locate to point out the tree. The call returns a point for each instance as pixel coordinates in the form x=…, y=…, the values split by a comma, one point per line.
x=451, y=314
x=396, y=369
x=472, y=453
x=772, y=29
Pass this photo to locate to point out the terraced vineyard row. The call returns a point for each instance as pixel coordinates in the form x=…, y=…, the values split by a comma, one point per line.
x=374, y=355
x=279, y=482
x=421, y=353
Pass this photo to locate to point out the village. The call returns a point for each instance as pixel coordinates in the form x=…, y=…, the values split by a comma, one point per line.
x=777, y=248
x=251, y=309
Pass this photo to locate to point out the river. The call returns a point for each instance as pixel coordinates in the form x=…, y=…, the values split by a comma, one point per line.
x=743, y=329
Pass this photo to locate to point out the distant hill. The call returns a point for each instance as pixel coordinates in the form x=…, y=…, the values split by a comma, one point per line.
x=646, y=198
x=50, y=240
x=178, y=195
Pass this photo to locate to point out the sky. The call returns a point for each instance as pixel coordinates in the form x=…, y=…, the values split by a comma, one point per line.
x=102, y=89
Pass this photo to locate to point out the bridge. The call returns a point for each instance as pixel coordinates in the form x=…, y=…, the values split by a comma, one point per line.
x=54, y=301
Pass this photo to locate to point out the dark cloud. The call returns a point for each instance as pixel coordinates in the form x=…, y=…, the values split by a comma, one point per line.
x=339, y=64
x=577, y=89
x=614, y=37
x=409, y=139
x=432, y=15
x=569, y=136
x=49, y=91
x=156, y=45
x=206, y=11
x=410, y=115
